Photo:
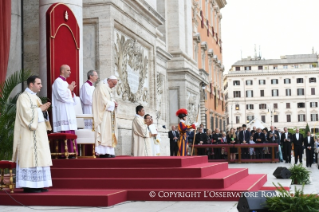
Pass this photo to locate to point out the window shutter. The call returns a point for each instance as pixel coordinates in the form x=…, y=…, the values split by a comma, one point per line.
x=217, y=38
x=213, y=31
x=207, y=28
x=304, y=117
x=316, y=117
x=298, y=117
x=202, y=21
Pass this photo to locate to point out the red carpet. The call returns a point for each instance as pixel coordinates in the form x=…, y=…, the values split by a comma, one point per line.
x=108, y=181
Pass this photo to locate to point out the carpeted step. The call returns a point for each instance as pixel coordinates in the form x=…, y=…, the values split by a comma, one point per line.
x=221, y=179
x=198, y=170
x=130, y=162
x=249, y=183
x=63, y=197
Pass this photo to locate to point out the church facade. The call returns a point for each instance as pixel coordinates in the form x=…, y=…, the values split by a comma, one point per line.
x=148, y=44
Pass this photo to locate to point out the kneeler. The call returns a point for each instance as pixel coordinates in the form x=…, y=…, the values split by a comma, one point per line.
x=7, y=165
x=65, y=137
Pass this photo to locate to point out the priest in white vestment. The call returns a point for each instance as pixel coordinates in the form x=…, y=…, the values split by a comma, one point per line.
x=86, y=96
x=63, y=101
x=31, y=150
x=104, y=113
x=141, y=141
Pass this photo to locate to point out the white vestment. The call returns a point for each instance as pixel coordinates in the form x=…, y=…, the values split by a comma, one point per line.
x=63, y=102
x=141, y=144
x=104, y=122
x=86, y=95
x=31, y=149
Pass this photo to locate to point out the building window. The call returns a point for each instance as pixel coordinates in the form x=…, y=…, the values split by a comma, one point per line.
x=250, y=118
x=237, y=68
x=313, y=104
x=249, y=82
x=249, y=93
x=275, y=118
x=295, y=66
x=299, y=80
x=285, y=67
x=313, y=91
x=274, y=81
x=262, y=106
x=212, y=123
x=300, y=105
x=247, y=68
x=301, y=117
x=260, y=67
x=263, y=119
x=236, y=94
x=216, y=122
x=249, y=106
x=236, y=82
x=275, y=106
x=237, y=119
x=288, y=118
x=227, y=120
x=262, y=93
x=312, y=80
x=288, y=92
x=314, y=117
x=287, y=105
x=262, y=82
x=300, y=92
x=274, y=92
x=237, y=107
x=275, y=67
x=287, y=81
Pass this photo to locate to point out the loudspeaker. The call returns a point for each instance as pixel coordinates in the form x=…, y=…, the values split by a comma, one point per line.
x=282, y=173
x=254, y=201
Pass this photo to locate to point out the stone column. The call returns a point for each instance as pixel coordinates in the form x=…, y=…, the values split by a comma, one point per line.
x=76, y=7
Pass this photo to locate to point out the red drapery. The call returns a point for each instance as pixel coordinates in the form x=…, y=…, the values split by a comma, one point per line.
x=5, y=29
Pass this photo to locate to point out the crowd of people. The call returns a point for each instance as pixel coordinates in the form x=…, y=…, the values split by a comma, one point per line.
x=286, y=141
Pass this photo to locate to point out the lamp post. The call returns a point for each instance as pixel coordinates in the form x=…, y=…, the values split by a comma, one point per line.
x=272, y=112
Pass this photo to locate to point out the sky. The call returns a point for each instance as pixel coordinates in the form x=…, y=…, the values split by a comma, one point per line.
x=279, y=27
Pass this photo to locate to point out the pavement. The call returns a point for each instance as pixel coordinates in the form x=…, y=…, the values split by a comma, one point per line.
x=191, y=206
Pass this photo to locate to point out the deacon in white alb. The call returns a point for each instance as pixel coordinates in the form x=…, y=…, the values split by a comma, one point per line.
x=104, y=108
x=86, y=95
x=31, y=149
x=63, y=101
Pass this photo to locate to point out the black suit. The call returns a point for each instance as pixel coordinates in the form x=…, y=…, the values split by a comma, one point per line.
x=201, y=137
x=274, y=139
x=309, y=152
x=259, y=150
x=298, y=147
x=244, y=136
x=217, y=137
x=286, y=146
x=173, y=143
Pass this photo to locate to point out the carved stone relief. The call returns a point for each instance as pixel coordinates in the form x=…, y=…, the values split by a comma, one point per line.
x=131, y=65
x=192, y=107
x=159, y=93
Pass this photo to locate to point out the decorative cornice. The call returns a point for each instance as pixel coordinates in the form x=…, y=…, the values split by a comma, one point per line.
x=196, y=37
x=203, y=45
x=163, y=53
x=210, y=52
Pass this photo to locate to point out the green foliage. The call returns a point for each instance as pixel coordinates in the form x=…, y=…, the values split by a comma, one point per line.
x=301, y=131
x=8, y=111
x=299, y=174
x=307, y=128
x=286, y=202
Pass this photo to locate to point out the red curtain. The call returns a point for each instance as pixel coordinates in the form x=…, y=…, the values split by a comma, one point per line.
x=5, y=29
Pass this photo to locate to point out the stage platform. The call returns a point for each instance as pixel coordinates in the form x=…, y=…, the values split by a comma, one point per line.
x=108, y=181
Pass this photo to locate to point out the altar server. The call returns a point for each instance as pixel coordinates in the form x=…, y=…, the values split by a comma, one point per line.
x=63, y=101
x=31, y=149
x=86, y=95
x=182, y=127
x=104, y=113
x=141, y=142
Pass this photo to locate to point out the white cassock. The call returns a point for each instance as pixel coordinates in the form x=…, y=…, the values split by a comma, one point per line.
x=141, y=144
x=31, y=149
x=104, y=119
x=63, y=101
x=86, y=95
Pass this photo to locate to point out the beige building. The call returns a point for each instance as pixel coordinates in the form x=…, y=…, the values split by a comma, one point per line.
x=283, y=92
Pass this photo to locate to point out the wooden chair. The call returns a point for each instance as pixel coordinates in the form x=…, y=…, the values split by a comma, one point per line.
x=7, y=165
x=84, y=136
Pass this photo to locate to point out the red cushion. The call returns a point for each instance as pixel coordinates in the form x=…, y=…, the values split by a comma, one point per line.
x=7, y=165
x=62, y=136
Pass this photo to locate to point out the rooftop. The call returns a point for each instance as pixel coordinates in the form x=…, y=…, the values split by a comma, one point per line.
x=287, y=59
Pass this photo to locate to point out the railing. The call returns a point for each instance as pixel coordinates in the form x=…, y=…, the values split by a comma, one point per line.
x=239, y=147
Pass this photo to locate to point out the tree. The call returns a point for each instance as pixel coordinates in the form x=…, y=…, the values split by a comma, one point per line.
x=307, y=128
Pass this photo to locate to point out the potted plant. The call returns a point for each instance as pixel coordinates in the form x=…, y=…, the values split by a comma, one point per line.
x=299, y=174
x=287, y=202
